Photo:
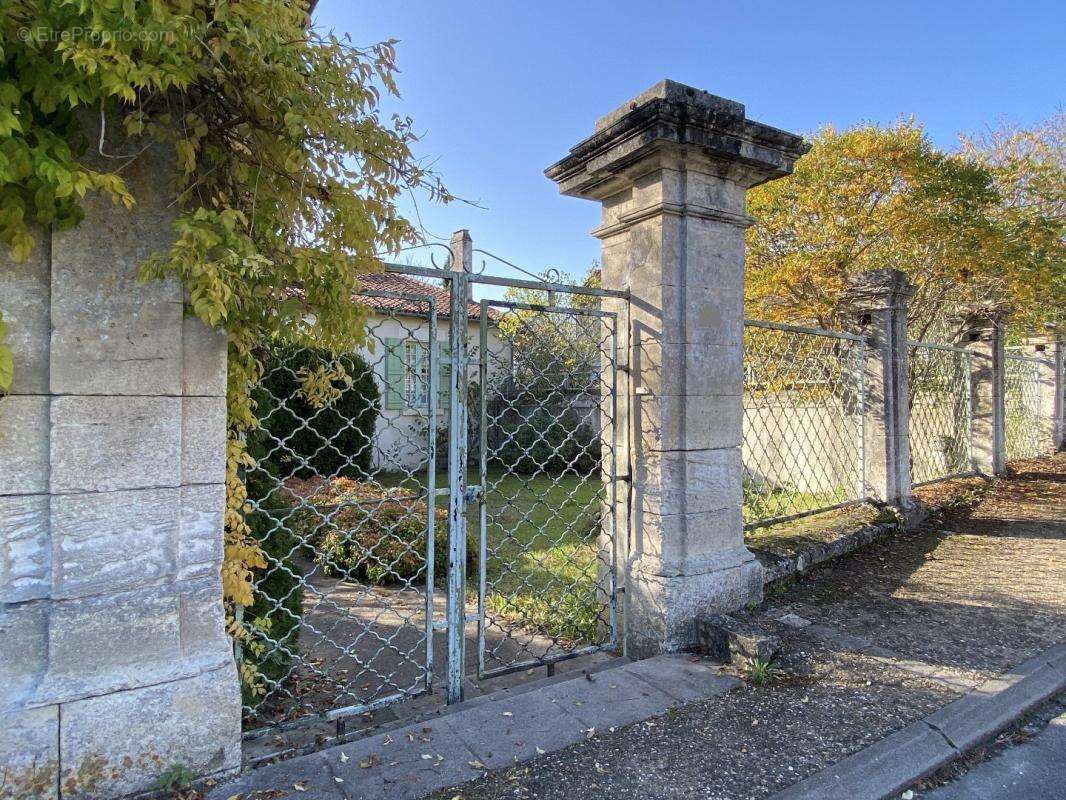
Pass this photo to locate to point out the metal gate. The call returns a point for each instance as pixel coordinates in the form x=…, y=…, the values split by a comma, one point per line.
x=548, y=472
x=444, y=506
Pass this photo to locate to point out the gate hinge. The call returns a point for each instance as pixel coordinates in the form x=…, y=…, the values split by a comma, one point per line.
x=474, y=493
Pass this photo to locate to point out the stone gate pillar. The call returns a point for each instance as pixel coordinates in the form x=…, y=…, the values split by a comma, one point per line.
x=671, y=168
x=114, y=663
x=1048, y=348
x=880, y=300
x=982, y=336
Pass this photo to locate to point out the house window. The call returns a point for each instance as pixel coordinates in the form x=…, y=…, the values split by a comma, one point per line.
x=416, y=374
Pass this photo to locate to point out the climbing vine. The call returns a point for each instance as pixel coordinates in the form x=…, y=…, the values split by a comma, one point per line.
x=287, y=179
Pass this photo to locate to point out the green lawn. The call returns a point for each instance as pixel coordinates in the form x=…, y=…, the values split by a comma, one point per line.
x=542, y=535
x=541, y=570
x=760, y=504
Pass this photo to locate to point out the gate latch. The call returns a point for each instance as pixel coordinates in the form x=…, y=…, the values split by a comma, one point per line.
x=474, y=493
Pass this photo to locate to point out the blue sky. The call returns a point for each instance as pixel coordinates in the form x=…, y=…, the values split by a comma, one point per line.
x=502, y=89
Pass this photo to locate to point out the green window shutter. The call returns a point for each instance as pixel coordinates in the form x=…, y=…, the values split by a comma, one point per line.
x=394, y=374
x=444, y=375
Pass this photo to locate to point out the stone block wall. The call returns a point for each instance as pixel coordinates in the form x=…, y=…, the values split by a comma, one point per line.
x=116, y=665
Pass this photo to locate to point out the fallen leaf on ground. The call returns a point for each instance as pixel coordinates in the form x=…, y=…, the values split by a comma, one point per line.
x=476, y=764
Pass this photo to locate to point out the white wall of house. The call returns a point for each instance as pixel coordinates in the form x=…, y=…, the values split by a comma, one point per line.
x=401, y=436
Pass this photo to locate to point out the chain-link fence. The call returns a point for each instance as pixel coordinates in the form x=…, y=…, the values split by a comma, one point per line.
x=548, y=468
x=343, y=508
x=802, y=427
x=1021, y=405
x=940, y=412
x=453, y=480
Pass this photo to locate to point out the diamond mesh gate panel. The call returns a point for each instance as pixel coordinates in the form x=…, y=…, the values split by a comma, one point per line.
x=342, y=503
x=1021, y=401
x=548, y=464
x=802, y=427
x=940, y=412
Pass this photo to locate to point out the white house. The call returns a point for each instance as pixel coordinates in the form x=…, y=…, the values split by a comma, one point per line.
x=398, y=333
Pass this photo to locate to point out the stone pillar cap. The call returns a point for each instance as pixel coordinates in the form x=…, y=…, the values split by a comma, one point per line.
x=977, y=316
x=672, y=115
x=876, y=288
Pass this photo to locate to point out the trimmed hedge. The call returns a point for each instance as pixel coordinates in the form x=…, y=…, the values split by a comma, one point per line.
x=337, y=439
x=546, y=442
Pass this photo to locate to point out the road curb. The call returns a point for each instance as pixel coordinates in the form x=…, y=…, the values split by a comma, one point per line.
x=889, y=766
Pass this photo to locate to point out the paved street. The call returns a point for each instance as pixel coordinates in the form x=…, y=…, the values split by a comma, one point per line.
x=1035, y=770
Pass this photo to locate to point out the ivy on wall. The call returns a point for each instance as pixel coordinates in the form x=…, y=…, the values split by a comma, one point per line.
x=287, y=174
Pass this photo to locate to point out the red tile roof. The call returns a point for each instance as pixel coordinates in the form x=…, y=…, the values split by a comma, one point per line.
x=401, y=284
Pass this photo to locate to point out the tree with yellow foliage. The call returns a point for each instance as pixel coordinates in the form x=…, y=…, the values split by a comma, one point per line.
x=873, y=197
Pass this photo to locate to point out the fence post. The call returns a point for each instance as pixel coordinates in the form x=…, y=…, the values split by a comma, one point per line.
x=671, y=168
x=462, y=259
x=880, y=297
x=981, y=334
x=1049, y=349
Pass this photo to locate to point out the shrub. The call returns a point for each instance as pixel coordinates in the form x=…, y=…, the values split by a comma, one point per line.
x=375, y=536
x=547, y=441
x=334, y=438
x=274, y=616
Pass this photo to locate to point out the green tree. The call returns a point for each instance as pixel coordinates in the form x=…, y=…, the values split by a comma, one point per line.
x=555, y=351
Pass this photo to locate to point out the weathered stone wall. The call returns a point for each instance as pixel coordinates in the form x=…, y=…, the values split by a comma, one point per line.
x=812, y=447
x=115, y=665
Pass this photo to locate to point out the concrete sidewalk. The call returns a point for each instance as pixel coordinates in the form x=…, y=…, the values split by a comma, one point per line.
x=491, y=732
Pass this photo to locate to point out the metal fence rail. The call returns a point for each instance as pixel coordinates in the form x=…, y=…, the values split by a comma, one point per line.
x=1021, y=401
x=940, y=412
x=802, y=426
